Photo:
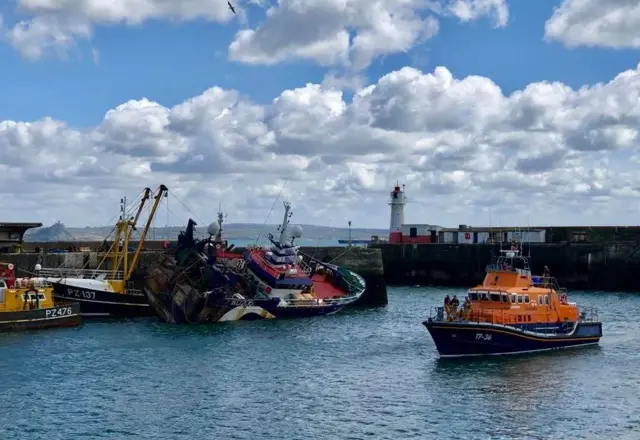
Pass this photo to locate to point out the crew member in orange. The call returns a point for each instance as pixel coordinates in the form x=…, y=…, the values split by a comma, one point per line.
x=466, y=307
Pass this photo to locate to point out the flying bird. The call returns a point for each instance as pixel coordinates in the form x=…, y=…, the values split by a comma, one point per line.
x=231, y=7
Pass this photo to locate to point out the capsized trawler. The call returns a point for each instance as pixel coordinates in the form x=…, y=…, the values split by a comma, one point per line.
x=109, y=292
x=200, y=282
x=27, y=304
x=512, y=312
x=302, y=284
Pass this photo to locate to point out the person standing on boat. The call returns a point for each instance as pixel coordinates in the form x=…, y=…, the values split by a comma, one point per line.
x=447, y=306
x=466, y=307
x=455, y=302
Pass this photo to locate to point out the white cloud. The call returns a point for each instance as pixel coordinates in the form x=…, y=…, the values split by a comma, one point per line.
x=351, y=33
x=468, y=10
x=547, y=152
x=345, y=33
x=34, y=37
x=55, y=25
x=610, y=23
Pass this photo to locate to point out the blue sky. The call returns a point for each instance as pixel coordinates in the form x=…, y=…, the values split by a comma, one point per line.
x=73, y=75
x=169, y=62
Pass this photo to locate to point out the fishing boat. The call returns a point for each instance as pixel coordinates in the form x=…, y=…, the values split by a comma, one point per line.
x=201, y=282
x=189, y=285
x=512, y=312
x=302, y=285
x=27, y=304
x=111, y=291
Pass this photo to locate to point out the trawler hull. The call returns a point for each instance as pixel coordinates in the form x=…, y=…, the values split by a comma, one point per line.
x=466, y=339
x=100, y=304
x=66, y=315
x=200, y=310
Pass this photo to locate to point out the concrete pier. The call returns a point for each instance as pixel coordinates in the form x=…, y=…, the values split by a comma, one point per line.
x=364, y=261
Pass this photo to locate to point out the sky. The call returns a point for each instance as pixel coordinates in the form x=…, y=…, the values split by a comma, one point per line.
x=491, y=112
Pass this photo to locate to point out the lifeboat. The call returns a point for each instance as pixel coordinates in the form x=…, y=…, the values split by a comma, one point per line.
x=512, y=312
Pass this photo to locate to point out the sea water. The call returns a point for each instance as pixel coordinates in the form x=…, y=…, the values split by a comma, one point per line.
x=360, y=374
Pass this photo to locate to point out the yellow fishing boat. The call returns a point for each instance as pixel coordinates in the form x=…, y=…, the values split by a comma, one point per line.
x=109, y=290
x=27, y=303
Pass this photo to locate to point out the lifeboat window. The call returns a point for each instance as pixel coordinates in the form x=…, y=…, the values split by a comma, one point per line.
x=505, y=298
x=540, y=299
x=526, y=299
x=513, y=299
x=519, y=299
x=546, y=299
x=485, y=296
x=473, y=296
x=495, y=297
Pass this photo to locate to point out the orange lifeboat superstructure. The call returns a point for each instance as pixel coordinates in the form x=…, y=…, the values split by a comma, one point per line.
x=510, y=295
x=512, y=311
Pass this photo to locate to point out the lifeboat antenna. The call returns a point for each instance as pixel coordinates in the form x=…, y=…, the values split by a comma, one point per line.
x=529, y=238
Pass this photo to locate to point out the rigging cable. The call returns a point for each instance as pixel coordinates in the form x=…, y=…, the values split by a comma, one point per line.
x=273, y=205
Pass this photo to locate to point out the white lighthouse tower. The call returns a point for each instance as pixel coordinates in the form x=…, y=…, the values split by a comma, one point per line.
x=397, y=202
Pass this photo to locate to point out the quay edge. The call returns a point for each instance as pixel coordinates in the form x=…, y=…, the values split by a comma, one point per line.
x=588, y=266
x=367, y=262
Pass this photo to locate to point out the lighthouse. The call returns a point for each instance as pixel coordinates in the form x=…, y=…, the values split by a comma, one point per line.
x=397, y=202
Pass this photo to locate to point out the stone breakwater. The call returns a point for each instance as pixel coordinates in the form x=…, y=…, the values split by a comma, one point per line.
x=366, y=262
x=604, y=266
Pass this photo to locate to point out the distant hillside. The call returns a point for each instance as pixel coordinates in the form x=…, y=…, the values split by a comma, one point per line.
x=231, y=231
x=55, y=232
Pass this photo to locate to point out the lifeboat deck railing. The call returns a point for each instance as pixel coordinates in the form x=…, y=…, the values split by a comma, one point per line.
x=484, y=316
x=589, y=314
x=548, y=283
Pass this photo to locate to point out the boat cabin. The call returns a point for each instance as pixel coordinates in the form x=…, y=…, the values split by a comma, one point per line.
x=510, y=294
x=22, y=293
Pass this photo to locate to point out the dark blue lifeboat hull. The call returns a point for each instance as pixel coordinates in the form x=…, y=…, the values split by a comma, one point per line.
x=463, y=339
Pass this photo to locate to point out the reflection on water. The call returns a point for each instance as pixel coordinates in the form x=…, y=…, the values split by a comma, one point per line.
x=366, y=373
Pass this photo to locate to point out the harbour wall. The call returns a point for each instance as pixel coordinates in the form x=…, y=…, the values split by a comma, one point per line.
x=593, y=266
x=367, y=262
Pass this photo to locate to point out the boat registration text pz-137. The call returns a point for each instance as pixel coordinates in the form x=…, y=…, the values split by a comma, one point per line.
x=81, y=293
